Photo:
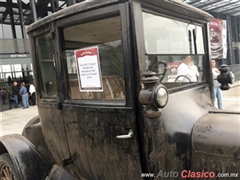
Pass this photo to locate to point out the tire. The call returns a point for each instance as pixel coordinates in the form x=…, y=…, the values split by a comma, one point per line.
x=7, y=170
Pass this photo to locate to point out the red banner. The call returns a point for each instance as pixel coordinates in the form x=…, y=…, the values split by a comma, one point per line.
x=218, y=42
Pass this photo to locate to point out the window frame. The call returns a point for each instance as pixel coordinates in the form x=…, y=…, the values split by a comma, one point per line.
x=166, y=14
x=93, y=15
x=42, y=96
x=35, y=63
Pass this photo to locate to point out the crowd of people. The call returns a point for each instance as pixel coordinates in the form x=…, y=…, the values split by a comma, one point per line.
x=20, y=93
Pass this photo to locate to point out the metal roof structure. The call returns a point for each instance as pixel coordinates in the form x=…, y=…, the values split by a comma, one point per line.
x=230, y=7
x=9, y=9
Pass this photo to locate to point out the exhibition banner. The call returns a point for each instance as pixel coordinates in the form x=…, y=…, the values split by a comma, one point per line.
x=218, y=38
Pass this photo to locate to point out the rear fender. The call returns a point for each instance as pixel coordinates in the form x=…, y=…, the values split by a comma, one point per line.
x=33, y=132
x=26, y=159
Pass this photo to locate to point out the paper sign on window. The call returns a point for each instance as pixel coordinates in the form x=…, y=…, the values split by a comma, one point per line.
x=88, y=68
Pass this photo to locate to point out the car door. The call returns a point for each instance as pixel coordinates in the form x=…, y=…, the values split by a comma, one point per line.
x=99, y=111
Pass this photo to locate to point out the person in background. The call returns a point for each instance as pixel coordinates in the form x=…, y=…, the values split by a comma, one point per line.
x=194, y=69
x=216, y=85
x=32, y=93
x=3, y=95
x=24, y=94
x=16, y=91
x=184, y=70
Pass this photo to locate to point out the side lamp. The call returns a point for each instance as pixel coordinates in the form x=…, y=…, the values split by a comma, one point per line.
x=226, y=77
x=153, y=95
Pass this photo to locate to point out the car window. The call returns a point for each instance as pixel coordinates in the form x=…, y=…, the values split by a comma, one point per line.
x=178, y=44
x=95, y=60
x=46, y=65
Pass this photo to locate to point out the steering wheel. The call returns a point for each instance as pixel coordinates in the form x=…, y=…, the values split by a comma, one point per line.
x=160, y=75
x=182, y=76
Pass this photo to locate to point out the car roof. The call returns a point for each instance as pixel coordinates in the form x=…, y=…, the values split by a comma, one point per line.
x=176, y=6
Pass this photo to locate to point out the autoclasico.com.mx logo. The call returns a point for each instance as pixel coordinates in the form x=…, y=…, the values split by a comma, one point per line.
x=189, y=174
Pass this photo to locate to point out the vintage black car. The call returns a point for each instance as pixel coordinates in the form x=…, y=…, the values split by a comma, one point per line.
x=112, y=104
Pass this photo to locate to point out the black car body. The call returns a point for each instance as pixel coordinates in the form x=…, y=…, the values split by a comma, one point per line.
x=104, y=119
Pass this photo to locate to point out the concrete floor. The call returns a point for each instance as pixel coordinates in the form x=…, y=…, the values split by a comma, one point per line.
x=231, y=97
x=14, y=120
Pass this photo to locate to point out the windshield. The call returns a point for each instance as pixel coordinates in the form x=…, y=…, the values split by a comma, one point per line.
x=179, y=44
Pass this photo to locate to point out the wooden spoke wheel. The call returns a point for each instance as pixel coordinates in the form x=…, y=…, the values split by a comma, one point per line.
x=7, y=171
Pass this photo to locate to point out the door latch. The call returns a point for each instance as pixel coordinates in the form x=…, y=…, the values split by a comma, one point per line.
x=129, y=135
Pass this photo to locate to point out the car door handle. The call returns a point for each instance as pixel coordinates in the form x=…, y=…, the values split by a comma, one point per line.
x=129, y=135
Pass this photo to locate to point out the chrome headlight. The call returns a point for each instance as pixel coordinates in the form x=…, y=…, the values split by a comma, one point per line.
x=160, y=96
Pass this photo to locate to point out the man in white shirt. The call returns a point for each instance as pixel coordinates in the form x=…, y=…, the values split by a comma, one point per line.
x=195, y=70
x=185, y=70
x=32, y=93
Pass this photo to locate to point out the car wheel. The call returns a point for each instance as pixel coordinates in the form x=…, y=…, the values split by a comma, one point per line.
x=7, y=170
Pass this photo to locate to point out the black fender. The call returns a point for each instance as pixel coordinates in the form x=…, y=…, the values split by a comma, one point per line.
x=33, y=132
x=216, y=143
x=27, y=161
